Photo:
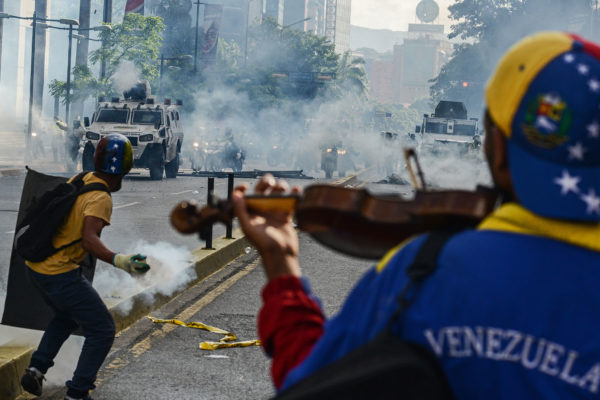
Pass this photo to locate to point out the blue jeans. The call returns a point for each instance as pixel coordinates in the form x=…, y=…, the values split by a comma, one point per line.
x=76, y=304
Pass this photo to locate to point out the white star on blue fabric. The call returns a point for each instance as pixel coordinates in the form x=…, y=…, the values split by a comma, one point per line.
x=594, y=129
x=592, y=201
x=113, y=168
x=594, y=85
x=576, y=152
x=115, y=146
x=583, y=69
x=567, y=183
x=114, y=159
x=569, y=58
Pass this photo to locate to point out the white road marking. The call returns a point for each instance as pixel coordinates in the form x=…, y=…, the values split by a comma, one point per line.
x=10, y=232
x=126, y=205
x=185, y=191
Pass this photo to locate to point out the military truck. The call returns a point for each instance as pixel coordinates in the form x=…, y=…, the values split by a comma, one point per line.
x=154, y=130
x=449, y=124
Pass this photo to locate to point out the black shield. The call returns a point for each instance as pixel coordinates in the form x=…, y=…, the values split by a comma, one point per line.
x=25, y=307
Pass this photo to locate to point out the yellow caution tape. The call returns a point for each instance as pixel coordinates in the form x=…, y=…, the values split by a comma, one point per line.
x=221, y=345
x=224, y=343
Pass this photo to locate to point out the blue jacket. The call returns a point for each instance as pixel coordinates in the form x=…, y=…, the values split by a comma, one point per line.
x=512, y=311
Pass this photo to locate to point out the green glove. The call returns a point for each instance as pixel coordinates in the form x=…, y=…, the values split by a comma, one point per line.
x=131, y=263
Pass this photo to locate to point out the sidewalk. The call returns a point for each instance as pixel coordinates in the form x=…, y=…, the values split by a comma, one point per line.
x=13, y=151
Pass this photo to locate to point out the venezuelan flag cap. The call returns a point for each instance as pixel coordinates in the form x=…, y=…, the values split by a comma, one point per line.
x=545, y=97
x=114, y=155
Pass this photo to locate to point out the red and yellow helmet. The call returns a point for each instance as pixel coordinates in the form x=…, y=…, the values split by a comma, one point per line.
x=113, y=155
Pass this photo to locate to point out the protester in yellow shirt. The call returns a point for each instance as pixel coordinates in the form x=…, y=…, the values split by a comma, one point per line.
x=59, y=278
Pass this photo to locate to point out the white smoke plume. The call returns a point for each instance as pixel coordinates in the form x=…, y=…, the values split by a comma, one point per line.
x=126, y=76
x=170, y=271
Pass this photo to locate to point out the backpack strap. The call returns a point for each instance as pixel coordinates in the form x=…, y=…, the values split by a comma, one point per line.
x=78, y=179
x=93, y=187
x=424, y=264
x=85, y=189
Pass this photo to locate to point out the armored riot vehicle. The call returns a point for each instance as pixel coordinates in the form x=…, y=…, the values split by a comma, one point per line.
x=154, y=130
x=449, y=124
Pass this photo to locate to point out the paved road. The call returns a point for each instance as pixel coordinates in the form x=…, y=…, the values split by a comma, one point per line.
x=159, y=362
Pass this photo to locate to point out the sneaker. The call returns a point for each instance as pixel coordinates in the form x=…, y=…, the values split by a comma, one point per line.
x=32, y=381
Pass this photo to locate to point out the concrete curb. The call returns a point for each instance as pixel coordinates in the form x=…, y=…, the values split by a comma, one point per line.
x=12, y=172
x=14, y=360
x=352, y=180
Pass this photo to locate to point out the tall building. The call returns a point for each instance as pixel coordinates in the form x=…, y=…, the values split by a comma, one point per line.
x=380, y=79
x=417, y=60
x=315, y=10
x=312, y=10
x=16, y=64
x=337, y=24
x=274, y=9
x=293, y=12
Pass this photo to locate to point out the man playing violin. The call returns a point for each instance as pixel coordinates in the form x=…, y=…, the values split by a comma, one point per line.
x=511, y=310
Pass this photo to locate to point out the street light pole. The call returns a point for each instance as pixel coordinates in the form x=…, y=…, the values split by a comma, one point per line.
x=197, y=3
x=107, y=19
x=162, y=62
x=68, y=95
x=30, y=113
x=246, y=44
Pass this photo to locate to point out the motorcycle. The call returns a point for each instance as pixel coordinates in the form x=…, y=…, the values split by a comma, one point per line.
x=234, y=159
x=329, y=159
x=197, y=157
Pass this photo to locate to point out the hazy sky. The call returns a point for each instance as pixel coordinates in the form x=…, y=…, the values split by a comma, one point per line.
x=392, y=14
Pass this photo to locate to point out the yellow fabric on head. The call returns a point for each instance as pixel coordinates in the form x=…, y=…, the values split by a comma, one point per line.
x=514, y=218
x=96, y=204
x=515, y=71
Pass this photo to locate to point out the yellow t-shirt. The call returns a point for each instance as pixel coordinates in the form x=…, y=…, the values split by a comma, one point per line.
x=96, y=204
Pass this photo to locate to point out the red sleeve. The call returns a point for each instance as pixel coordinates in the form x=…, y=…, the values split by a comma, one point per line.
x=289, y=324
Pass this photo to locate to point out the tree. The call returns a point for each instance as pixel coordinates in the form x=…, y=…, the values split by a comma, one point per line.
x=490, y=27
x=351, y=74
x=137, y=39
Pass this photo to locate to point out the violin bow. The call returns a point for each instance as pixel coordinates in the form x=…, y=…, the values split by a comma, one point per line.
x=410, y=153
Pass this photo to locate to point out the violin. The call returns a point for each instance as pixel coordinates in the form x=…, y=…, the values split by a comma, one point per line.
x=354, y=221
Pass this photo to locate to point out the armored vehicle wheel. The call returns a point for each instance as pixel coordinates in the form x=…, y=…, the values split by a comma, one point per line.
x=157, y=165
x=87, y=158
x=172, y=167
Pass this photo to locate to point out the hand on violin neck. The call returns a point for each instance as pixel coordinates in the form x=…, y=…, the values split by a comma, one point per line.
x=271, y=232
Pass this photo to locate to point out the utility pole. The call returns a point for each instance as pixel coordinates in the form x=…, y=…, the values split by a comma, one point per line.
x=30, y=113
x=106, y=18
x=246, y=39
x=82, y=45
x=41, y=8
x=197, y=3
x=68, y=94
x=1, y=33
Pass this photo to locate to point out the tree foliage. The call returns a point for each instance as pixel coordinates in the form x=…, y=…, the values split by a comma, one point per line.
x=489, y=27
x=137, y=39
